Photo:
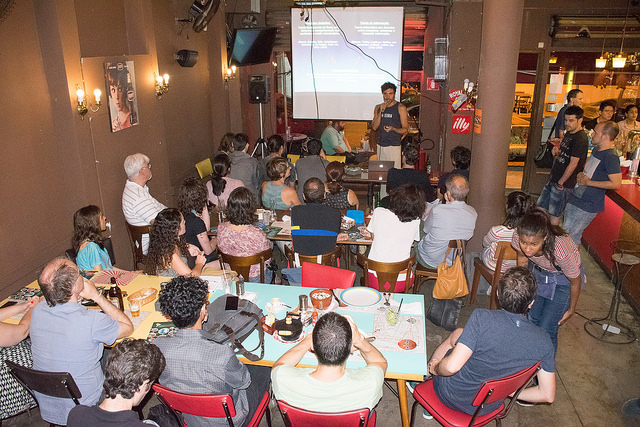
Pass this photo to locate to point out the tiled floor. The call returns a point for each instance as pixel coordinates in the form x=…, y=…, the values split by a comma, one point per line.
x=593, y=378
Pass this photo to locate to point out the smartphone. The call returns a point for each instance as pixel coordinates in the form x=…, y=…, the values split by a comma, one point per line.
x=232, y=303
x=9, y=304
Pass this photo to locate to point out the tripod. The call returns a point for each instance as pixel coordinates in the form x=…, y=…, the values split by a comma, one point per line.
x=260, y=143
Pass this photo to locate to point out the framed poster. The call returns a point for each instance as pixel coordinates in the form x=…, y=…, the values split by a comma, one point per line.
x=121, y=88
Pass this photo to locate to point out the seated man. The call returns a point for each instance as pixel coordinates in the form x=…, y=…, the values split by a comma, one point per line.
x=68, y=337
x=330, y=387
x=243, y=166
x=198, y=365
x=333, y=141
x=409, y=175
x=312, y=165
x=495, y=344
x=132, y=368
x=138, y=206
x=454, y=220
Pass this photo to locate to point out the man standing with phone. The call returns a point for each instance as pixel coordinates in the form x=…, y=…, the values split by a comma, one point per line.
x=391, y=120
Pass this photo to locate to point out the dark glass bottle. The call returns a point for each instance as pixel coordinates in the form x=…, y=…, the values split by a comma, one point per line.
x=115, y=295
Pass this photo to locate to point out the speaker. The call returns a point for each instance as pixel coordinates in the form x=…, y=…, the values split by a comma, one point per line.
x=186, y=58
x=259, y=89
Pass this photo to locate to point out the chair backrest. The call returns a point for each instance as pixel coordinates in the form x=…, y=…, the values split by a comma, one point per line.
x=324, y=276
x=204, y=167
x=294, y=417
x=71, y=255
x=387, y=272
x=135, y=237
x=504, y=252
x=200, y=405
x=340, y=159
x=56, y=384
x=293, y=158
x=242, y=264
x=458, y=247
x=330, y=258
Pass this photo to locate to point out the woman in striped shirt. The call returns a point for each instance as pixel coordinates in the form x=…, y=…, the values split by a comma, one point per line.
x=555, y=262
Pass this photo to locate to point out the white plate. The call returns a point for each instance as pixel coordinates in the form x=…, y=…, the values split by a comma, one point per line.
x=361, y=297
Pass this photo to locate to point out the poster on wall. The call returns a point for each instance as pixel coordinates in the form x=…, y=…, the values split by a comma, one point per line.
x=121, y=87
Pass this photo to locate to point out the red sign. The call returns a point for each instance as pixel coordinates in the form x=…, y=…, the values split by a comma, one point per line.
x=461, y=124
x=432, y=84
x=455, y=94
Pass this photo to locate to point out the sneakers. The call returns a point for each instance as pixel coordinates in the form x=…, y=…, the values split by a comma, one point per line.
x=411, y=386
x=426, y=415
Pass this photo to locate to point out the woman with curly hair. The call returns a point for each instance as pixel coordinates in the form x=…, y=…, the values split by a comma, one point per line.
x=221, y=185
x=338, y=196
x=87, y=241
x=275, y=192
x=192, y=201
x=226, y=143
x=239, y=237
x=168, y=249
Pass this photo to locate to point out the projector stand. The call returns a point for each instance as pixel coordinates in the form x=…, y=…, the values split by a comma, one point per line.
x=260, y=142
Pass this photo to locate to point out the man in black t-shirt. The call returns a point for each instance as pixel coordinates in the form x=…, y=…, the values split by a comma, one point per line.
x=569, y=161
x=314, y=226
x=409, y=175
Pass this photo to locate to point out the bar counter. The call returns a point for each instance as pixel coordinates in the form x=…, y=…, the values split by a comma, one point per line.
x=620, y=220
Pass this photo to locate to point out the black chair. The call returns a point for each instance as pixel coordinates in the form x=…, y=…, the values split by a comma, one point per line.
x=55, y=384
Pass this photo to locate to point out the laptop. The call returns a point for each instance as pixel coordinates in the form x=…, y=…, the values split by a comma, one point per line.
x=378, y=169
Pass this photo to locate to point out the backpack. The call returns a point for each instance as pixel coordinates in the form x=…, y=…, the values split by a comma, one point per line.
x=235, y=325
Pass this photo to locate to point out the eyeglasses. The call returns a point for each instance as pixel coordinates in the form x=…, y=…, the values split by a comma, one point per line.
x=148, y=166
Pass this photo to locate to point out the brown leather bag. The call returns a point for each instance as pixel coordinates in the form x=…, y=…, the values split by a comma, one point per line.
x=451, y=282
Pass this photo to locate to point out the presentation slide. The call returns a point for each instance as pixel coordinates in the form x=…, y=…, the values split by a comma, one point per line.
x=333, y=79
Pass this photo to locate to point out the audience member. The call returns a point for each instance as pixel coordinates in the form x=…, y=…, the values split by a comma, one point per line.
x=575, y=98
x=132, y=368
x=192, y=201
x=138, y=206
x=461, y=160
x=311, y=166
x=445, y=222
x=334, y=142
x=220, y=186
x=87, y=242
x=238, y=236
x=601, y=173
x=395, y=229
x=244, y=167
x=628, y=124
x=494, y=344
x=196, y=364
x=168, y=250
x=606, y=110
x=330, y=387
x=226, y=143
x=275, y=193
x=569, y=160
x=68, y=337
x=275, y=147
x=518, y=203
x=555, y=261
x=409, y=175
x=338, y=196
x=11, y=334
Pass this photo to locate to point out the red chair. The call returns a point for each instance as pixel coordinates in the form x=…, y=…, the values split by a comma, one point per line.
x=297, y=417
x=209, y=405
x=324, y=276
x=490, y=391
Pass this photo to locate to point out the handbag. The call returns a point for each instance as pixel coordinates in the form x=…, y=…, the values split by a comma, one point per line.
x=445, y=312
x=451, y=282
x=543, y=157
x=232, y=323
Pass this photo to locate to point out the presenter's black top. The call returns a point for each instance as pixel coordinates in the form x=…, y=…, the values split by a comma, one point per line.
x=390, y=117
x=314, y=228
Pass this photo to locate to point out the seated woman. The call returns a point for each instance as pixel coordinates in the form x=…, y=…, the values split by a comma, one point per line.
x=395, y=229
x=276, y=193
x=168, y=249
x=338, y=196
x=518, y=203
x=192, y=201
x=239, y=237
x=275, y=147
x=220, y=186
x=87, y=242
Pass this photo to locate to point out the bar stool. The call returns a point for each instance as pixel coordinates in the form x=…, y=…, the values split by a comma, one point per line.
x=626, y=255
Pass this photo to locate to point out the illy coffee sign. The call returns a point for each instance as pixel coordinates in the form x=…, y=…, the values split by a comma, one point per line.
x=461, y=124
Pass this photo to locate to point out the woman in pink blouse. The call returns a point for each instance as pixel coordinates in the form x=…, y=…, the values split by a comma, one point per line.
x=220, y=186
x=239, y=237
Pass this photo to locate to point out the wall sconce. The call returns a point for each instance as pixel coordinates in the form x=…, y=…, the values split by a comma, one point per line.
x=84, y=103
x=162, y=84
x=231, y=73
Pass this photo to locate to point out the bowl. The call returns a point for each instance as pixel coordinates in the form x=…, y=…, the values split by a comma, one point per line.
x=144, y=296
x=320, y=298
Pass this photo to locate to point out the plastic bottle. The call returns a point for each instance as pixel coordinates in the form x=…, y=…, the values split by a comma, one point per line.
x=115, y=295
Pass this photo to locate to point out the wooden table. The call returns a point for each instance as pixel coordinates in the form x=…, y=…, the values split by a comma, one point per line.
x=363, y=178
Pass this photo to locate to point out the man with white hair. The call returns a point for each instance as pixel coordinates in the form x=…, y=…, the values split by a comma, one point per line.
x=138, y=206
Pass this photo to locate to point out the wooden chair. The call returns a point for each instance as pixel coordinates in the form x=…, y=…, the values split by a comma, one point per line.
x=242, y=264
x=135, y=237
x=330, y=258
x=504, y=252
x=423, y=274
x=298, y=417
x=204, y=167
x=387, y=272
x=209, y=405
x=490, y=391
x=340, y=159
